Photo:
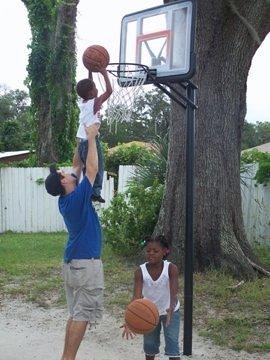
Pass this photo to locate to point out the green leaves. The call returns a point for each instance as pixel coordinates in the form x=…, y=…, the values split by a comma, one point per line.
x=131, y=217
x=262, y=175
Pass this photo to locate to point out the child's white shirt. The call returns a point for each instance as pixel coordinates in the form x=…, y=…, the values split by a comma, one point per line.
x=87, y=117
x=158, y=291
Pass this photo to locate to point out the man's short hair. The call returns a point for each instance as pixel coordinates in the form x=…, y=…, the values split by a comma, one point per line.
x=53, y=182
x=83, y=87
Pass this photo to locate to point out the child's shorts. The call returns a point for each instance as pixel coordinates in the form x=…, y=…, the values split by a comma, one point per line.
x=151, y=341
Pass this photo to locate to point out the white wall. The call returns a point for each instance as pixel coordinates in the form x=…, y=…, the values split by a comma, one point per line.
x=25, y=206
x=256, y=208
x=125, y=173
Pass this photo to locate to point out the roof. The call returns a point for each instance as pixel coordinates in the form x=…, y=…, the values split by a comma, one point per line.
x=263, y=148
x=7, y=154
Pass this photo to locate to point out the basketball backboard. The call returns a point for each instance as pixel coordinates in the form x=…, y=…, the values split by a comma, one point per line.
x=161, y=38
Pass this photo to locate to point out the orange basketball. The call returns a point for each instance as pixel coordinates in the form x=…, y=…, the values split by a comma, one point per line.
x=141, y=316
x=95, y=56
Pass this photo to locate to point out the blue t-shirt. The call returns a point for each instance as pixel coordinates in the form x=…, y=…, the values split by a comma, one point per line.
x=80, y=217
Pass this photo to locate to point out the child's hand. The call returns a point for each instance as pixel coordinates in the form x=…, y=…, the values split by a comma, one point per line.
x=127, y=333
x=169, y=316
x=102, y=70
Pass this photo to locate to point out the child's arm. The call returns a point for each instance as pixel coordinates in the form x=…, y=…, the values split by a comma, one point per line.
x=108, y=91
x=138, y=284
x=173, y=276
x=137, y=294
x=90, y=75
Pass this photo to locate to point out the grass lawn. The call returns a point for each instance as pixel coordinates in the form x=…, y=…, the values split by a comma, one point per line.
x=239, y=318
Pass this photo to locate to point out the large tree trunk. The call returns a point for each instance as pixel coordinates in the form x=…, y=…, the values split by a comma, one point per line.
x=226, y=40
x=51, y=77
x=62, y=79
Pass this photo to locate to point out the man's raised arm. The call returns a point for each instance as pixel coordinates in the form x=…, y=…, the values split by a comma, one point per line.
x=92, y=157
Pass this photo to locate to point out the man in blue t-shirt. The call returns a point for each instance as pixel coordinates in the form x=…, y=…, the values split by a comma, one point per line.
x=82, y=268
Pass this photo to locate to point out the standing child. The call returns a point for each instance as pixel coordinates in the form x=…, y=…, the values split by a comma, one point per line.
x=90, y=105
x=157, y=280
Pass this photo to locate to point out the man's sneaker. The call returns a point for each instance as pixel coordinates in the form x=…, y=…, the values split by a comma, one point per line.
x=96, y=198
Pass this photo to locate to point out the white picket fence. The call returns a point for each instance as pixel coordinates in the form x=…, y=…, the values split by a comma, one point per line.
x=125, y=173
x=25, y=205
x=256, y=208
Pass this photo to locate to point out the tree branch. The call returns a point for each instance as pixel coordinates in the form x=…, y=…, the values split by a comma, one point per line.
x=259, y=268
x=250, y=28
x=234, y=287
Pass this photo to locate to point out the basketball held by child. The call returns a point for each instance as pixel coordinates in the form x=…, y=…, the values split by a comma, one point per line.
x=141, y=316
x=94, y=57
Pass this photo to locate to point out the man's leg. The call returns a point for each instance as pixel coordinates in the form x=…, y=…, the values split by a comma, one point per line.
x=75, y=331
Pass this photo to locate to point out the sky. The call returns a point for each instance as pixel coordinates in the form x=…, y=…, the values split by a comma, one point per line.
x=104, y=30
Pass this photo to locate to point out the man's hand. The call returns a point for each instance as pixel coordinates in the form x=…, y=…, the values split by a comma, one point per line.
x=91, y=131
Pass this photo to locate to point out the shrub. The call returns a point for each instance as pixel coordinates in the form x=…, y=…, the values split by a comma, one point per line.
x=131, y=217
x=262, y=175
x=126, y=154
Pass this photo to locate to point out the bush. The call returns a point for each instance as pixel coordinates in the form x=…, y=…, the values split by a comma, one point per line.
x=262, y=175
x=126, y=154
x=131, y=217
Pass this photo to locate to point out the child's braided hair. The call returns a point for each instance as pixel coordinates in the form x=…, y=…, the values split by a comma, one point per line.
x=160, y=239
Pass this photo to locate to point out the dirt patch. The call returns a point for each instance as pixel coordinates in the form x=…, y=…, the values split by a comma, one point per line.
x=29, y=332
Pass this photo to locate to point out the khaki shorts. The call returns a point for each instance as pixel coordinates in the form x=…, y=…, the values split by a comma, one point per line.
x=84, y=284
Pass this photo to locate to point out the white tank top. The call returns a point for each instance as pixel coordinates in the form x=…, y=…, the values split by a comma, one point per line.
x=87, y=117
x=158, y=291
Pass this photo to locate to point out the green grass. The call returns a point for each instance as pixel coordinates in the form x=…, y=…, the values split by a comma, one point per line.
x=239, y=318
x=30, y=266
x=263, y=253
x=235, y=317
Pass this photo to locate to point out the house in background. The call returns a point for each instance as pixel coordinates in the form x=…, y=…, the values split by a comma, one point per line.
x=8, y=157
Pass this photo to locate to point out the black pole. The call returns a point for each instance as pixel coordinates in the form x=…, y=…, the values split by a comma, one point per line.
x=188, y=285
x=190, y=107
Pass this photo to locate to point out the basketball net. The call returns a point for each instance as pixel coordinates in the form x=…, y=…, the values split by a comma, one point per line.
x=127, y=83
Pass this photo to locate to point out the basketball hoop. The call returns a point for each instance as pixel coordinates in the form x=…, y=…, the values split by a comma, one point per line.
x=127, y=82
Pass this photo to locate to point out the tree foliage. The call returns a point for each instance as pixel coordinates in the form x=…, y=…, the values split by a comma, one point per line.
x=126, y=154
x=262, y=159
x=131, y=217
x=255, y=134
x=149, y=119
x=15, y=123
